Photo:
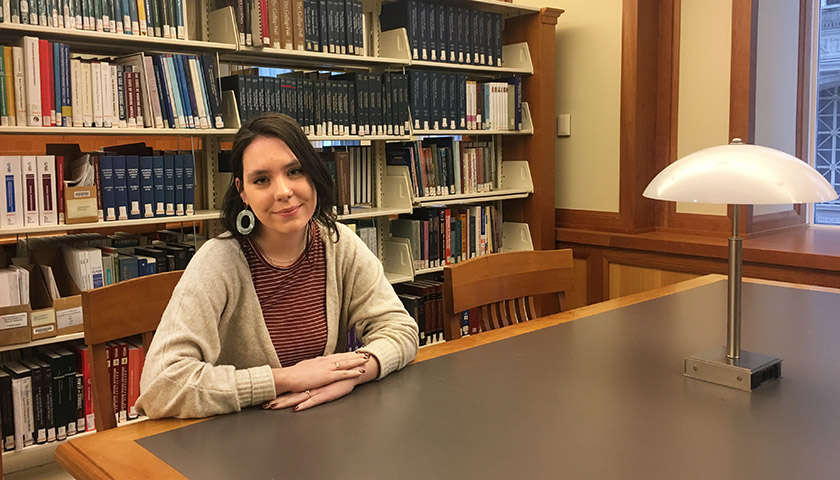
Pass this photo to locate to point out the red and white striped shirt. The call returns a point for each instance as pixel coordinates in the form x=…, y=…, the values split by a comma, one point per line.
x=293, y=300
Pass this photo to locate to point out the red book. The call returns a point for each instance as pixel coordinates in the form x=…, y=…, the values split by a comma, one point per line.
x=123, y=348
x=134, y=369
x=45, y=50
x=83, y=365
x=266, y=37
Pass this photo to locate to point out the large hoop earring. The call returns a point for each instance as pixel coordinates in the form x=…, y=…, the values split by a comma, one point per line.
x=252, y=220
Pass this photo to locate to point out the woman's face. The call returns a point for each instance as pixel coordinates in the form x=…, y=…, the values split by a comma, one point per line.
x=282, y=197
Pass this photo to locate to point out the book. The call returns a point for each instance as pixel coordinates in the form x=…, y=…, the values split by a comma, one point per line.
x=120, y=186
x=31, y=192
x=32, y=80
x=132, y=172
x=47, y=200
x=11, y=203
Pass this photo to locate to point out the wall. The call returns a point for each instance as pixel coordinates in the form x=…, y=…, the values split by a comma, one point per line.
x=776, y=71
x=588, y=87
x=705, y=55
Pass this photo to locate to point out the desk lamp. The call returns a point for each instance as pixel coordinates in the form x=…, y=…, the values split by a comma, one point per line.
x=738, y=174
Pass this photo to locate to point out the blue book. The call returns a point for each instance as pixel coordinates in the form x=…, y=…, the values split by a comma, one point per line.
x=147, y=188
x=142, y=266
x=165, y=101
x=120, y=187
x=177, y=100
x=118, y=16
x=178, y=8
x=132, y=168
x=126, y=12
x=169, y=184
x=187, y=84
x=158, y=181
x=189, y=184
x=128, y=267
x=133, y=14
x=187, y=95
x=56, y=51
x=106, y=186
x=66, y=100
x=179, y=184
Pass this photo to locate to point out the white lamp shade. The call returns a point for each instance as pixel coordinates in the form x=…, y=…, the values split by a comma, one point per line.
x=740, y=174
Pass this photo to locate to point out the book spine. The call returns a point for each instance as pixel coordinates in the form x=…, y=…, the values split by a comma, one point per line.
x=132, y=172
x=159, y=186
x=147, y=187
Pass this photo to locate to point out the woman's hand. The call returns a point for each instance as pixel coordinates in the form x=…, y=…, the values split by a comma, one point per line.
x=319, y=371
x=308, y=398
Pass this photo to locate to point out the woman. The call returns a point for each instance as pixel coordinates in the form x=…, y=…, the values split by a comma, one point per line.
x=262, y=312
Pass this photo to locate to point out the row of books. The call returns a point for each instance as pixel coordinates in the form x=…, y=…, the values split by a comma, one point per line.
x=442, y=32
x=423, y=299
x=442, y=100
x=46, y=391
x=366, y=230
x=153, y=18
x=95, y=261
x=146, y=186
x=446, y=165
x=351, y=171
x=127, y=187
x=45, y=85
x=443, y=236
x=324, y=104
x=14, y=286
x=328, y=26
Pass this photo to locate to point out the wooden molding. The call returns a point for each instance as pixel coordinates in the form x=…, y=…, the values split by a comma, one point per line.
x=538, y=149
x=742, y=70
x=606, y=221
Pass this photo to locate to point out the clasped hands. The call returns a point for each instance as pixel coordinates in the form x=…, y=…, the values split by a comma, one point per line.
x=321, y=379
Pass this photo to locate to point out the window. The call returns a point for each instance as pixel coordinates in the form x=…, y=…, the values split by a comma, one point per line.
x=827, y=122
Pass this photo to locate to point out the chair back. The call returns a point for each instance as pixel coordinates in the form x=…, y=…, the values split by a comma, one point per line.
x=503, y=285
x=132, y=307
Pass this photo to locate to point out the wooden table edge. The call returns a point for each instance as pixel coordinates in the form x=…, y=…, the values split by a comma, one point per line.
x=120, y=443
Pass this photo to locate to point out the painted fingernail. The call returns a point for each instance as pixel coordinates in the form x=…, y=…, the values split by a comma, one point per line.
x=360, y=352
x=296, y=408
x=361, y=370
x=367, y=355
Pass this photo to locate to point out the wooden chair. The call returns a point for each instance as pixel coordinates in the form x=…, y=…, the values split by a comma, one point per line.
x=504, y=286
x=132, y=307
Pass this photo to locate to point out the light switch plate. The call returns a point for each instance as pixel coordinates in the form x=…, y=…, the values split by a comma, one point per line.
x=564, y=125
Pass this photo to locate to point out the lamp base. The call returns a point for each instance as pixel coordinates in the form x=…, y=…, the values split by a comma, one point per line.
x=745, y=373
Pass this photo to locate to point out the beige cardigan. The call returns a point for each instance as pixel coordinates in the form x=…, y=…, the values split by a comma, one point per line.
x=212, y=353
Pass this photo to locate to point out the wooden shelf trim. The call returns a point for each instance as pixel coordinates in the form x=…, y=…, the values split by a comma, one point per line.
x=199, y=216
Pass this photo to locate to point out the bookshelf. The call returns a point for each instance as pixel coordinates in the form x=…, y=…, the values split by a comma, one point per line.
x=527, y=174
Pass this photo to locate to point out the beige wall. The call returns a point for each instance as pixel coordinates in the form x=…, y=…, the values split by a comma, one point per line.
x=705, y=53
x=588, y=88
x=776, y=70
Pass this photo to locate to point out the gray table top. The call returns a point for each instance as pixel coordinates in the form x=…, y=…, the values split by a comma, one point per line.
x=601, y=397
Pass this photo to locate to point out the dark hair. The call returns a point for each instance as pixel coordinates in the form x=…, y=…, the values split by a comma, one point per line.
x=285, y=128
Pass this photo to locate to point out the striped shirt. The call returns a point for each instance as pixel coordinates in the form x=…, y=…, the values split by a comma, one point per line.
x=293, y=300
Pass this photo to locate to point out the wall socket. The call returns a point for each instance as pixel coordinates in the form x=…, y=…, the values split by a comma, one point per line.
x=564, y=125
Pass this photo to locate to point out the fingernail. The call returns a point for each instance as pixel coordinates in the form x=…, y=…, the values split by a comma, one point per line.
x=361, y=370
x=367, y=355
x=265, y=405
x=360, y=352
x=296, y=408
